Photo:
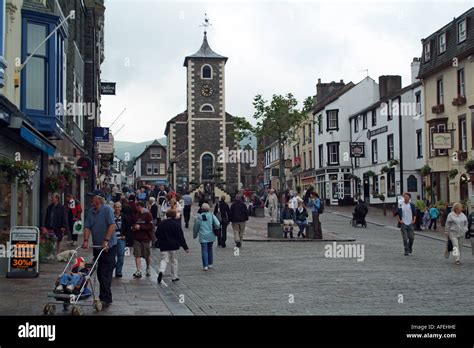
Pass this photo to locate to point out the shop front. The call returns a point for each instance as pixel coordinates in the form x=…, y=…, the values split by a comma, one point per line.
x=22, y=154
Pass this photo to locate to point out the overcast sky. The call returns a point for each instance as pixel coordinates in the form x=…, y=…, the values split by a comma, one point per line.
x=273, y=47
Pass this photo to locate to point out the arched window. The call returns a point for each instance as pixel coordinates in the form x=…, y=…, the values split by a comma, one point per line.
x=206, y=72
x=412, y=184
x=206, y=108
x=207, y=164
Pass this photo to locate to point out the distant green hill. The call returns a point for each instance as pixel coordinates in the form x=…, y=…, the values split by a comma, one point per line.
x=134, y=149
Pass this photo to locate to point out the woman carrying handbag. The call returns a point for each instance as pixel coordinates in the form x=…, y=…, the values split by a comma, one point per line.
x=456, y=228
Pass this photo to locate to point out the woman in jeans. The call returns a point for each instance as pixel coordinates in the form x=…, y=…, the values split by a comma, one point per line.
x=121, y=230
x=456, y=227
x=204, y=226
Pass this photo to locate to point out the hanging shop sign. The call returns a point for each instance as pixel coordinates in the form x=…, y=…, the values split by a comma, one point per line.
x=107, y=88
x=442, y=141
x=357, y=149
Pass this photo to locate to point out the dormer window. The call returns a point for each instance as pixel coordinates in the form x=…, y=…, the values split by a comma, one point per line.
x=206, y=72
x=427, y=51
x=442, y=43
x=462, y=31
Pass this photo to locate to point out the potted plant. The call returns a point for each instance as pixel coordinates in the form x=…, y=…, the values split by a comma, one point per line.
x=437, y=109
x=459, y=100
x=441, y=205
x=370, y=173
x=425, y=170
x=382, y=198
x=47, y=245
x=469, y=166
x=453, y=173
x=385, y=169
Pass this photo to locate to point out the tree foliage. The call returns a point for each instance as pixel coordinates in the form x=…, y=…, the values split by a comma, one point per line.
x=279, y=118
x=242, y=128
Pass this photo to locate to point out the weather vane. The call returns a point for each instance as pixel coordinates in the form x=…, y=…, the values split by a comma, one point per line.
x=206, y=23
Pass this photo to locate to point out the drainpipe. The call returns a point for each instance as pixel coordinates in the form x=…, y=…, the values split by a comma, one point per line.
x=400, y=124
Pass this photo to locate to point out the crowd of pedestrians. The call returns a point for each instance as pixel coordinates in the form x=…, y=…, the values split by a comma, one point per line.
x=153, y=217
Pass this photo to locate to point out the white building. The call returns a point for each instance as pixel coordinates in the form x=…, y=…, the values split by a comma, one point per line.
x=119, y=177
x=390, y=135
x=271, y=166
x=335, y=103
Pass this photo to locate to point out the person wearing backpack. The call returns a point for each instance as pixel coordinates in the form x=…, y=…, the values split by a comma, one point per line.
x=317, y=208
x=434, y=214
x=204, y=226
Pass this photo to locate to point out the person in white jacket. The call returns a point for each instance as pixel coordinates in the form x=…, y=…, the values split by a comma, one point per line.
x=272, y=204
x=456, y=227
x=171, y=203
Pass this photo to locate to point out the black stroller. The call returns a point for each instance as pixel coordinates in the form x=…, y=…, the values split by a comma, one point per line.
x=359, y=214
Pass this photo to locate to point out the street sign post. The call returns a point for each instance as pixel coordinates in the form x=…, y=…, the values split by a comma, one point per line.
x=101, y=134
x=23, y=255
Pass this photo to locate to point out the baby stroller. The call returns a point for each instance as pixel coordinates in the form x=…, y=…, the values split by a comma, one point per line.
x=359, y=214
x=83, y=291
x=358, y=219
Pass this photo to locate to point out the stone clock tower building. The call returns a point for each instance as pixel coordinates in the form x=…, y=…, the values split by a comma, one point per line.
x=196, y=136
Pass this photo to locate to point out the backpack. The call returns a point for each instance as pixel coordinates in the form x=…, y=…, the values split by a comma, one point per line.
x=321, y=206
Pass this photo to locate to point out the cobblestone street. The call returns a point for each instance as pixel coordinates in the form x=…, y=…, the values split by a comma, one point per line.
x=268, y=276
x=284, y=278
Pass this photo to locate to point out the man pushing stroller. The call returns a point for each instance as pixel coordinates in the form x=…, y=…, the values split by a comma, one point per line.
x=359, y=214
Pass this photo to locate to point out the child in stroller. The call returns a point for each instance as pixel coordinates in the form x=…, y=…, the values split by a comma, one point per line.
x=358, y=216
x=71, y=283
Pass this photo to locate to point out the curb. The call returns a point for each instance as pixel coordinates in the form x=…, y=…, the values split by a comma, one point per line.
x=301, y=240
x=421, y=234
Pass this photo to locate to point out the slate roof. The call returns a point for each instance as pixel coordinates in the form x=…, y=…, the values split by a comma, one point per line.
x=204, y=52
x=454, y=49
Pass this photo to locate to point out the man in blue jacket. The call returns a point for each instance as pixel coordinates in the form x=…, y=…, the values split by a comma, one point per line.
x=406, y=217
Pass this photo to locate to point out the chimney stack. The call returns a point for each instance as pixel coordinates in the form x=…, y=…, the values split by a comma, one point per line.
x=389, y=84
x=415, y=68
x=324, y=89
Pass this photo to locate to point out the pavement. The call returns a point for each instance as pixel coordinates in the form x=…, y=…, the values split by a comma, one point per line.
x=285, y=278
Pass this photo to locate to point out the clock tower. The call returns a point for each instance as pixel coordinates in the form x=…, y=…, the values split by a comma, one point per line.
x=198, y=136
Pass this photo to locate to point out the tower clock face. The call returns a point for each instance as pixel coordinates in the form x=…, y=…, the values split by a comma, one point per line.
x=207, y=90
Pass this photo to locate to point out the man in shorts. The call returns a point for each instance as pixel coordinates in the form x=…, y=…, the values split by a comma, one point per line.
x=142, y=230
x=100, y=225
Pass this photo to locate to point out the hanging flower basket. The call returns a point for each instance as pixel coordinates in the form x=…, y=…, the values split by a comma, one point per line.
x=24, y=171
x=370, y=173
x=453, y=173
x=61, y=180
x=393, y=163
x=426, y=170
x=469, y=166
x=385, y=169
